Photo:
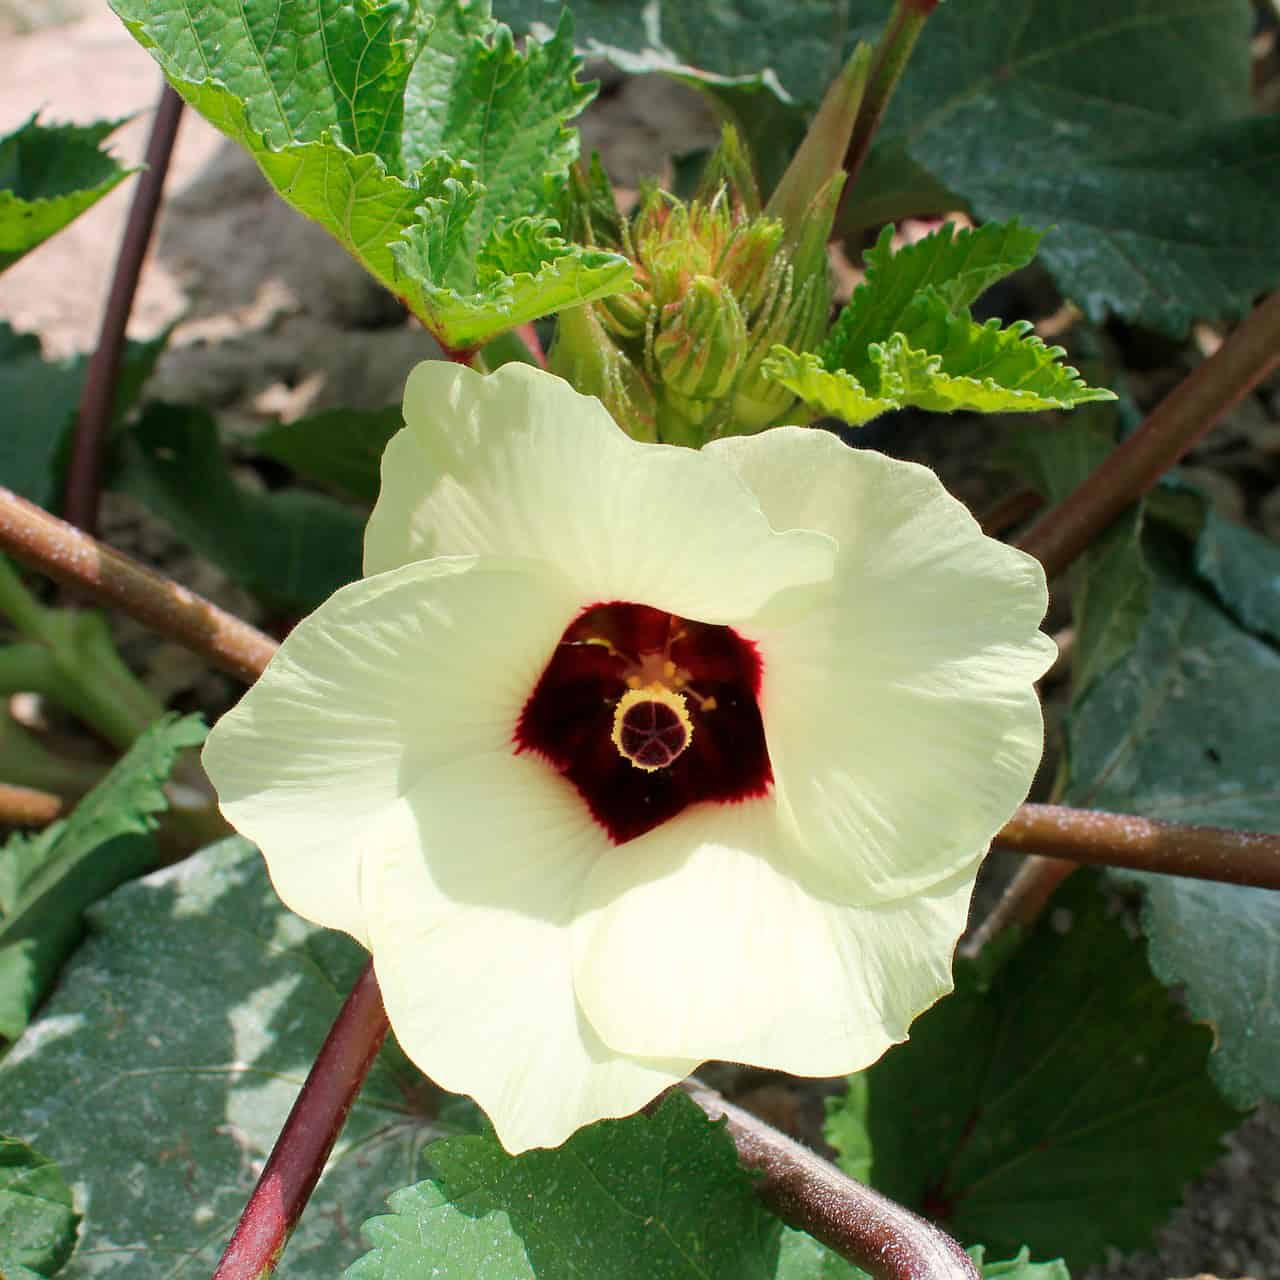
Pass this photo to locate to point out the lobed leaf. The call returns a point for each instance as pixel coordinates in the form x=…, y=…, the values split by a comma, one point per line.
x=49, y=175
x=37, y=1220
x=827, y=391
x=293, y=549
x=1073, y=1106
x=659, y=1196
x=162, y=1068
x=803, y=1258
x=1184, y=729
x=958, y=265
x=48, y=880
x=413, y=130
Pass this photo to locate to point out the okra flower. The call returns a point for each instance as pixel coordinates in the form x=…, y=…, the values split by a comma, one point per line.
x=624, y=756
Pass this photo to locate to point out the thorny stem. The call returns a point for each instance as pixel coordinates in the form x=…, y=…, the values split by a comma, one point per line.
x=27, y=807
x=309, y=1133
x=859, y=1224
x=1245, y=358
x=97, y=401
x=892, y=54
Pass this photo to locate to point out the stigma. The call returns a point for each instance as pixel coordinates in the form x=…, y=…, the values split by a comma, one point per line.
x=651, y=727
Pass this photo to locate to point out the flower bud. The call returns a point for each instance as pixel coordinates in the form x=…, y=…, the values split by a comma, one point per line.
x=701, y=341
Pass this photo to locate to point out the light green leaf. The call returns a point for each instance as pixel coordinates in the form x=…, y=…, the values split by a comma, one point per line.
x=49, y=175
x=959, y=265
x=523, y=271
x=165, y=1063
x=827, y=391
x=1184, y=729
x=947, y=362
x=1073, y=1104
x=294, y=549
x=38, y=403
x=37, y=1221
x=1020, y=1267
x=47, y=881
x=341, y=447
x=659, y=1196
x=400, y=118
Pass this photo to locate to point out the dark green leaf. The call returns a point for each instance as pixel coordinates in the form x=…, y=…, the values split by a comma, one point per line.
x=1063, y=1107
x=342, y=447
x=49, y=175
x=293, y=549
x=1127, y=131
x=37, y=1222
x=47, y=881
x=657, y=1196
x=165, y=1063
x=38, y=402
x=1110, y=584
x=1242, y=567
x=1185, y=729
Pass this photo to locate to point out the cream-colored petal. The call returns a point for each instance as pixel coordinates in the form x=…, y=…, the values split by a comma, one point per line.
x=897, y=701
x=391, y=676
x=469, y=888
x=700, y=939
x=518, y=463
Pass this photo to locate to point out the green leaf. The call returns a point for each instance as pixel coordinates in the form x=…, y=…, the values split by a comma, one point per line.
x=659, y=1196
x=164, y=1065
x=397, y=118
x=1063, y=1107
x=47, y=881
x=293, y=549
x=49, y=175
x=37, y=1221
x=946, y=362
x=342, y=447
x=827, y=391
x=1159, y=185
x=523, y=271
x=959, y=265
x=1242, y=568
x=803, y=1258
x=1184, y=729
x=1110, y=583
x=38, y=404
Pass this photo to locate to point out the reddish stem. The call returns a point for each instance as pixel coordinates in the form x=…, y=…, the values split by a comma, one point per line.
x=529, y=336
x=1009, y=511
x=27, y=807
x=459, y=355
x=308, y=1135
x=97, y=401
x=859, y=1224
x=1245, y=358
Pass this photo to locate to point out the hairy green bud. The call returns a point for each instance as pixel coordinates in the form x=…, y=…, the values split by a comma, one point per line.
x=701, y=341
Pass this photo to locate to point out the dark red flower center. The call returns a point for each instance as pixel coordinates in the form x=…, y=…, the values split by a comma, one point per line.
x=646, y=712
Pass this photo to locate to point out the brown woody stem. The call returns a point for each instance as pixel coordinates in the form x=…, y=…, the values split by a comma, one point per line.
x=97, y=401
x=1247, y=356
x=300, y=1152
x=859, y=1224
x=58, y=549
x=1143, y=844
x=27, y=807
